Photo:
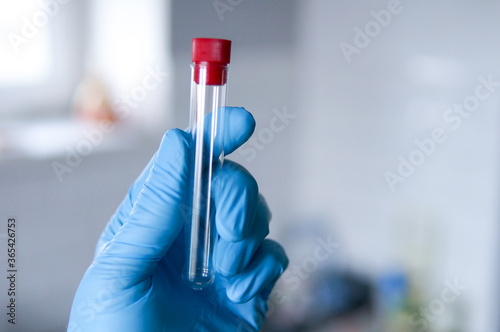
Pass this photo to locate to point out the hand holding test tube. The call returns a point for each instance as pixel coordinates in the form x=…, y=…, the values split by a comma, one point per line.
x=134, y=282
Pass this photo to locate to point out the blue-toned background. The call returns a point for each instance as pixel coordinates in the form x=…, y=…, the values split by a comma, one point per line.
x=377, y=147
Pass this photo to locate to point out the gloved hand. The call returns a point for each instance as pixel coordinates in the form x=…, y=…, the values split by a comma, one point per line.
x=134, y=282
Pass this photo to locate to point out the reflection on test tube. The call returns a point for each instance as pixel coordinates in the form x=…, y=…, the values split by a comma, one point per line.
x=208, y=97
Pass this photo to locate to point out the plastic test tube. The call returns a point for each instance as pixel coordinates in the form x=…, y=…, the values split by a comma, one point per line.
x=208, y=95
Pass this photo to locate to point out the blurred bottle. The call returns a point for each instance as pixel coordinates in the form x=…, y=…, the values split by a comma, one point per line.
x=91, y=101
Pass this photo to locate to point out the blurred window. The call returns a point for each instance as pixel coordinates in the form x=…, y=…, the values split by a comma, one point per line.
x=25, y=49
x=41, y=56
x=47, y=47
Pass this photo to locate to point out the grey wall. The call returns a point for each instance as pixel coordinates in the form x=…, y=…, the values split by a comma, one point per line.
x=260, y=79
x=58, y=224
x=357, y=118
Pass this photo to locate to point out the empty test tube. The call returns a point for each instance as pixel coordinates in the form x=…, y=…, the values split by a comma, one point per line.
x=210, y=59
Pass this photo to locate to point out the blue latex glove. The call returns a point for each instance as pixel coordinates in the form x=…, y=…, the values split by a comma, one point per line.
x=134, y=282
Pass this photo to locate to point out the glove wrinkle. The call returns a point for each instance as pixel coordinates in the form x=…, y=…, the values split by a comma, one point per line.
x=134, y=282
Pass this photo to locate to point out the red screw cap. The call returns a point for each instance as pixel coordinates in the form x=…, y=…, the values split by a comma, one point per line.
x=215, y=54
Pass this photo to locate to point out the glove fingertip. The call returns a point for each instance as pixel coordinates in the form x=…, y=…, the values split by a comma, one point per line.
x=239, y=127
x=267, y=266
x=236, y=296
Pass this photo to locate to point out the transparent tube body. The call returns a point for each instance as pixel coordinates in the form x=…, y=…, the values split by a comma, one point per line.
x=205, y=126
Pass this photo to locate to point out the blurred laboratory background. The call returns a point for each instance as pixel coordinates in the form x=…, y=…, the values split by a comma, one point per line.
x=377, y=147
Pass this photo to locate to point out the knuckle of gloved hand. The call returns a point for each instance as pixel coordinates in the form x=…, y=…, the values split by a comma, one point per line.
x=277, y=252
x=244, y=181
x=173, y=150
x=174, y=138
